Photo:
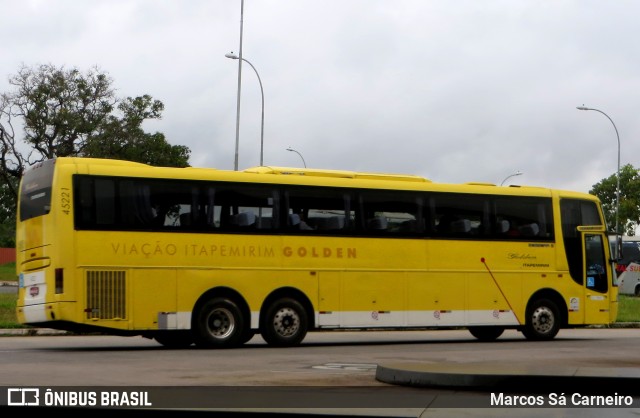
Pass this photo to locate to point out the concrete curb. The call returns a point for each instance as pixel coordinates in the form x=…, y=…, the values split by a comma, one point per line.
x=498, y=376
x=9, y=284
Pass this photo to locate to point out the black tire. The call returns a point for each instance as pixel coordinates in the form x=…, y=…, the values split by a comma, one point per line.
x=543, y=321
x=218, y=323
x=285, y=323
x=490, y=333
x=637, y=291
x=174, y=339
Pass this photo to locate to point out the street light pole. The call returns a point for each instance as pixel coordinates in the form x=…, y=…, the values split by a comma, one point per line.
x=235, y=164
x=517, y=173
x=235, y=57
x=618, y=175
x=292, y=150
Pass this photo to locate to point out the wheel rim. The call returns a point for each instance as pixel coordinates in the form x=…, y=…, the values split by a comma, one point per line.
x=543, y=320
x=221, y=323
x=286, y=322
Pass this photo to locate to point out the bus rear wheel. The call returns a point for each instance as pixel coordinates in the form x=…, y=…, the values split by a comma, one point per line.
x=285, y=323
x=218, y=323
x=543, y=321
x=486, y=333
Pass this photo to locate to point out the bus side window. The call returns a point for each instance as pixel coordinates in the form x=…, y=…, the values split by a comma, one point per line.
x=411, y=226
x=211, y=211
x=296, y=222
x=244, y=219
x=444, y=224
x=502, y=226
x=506, y=228
x=390, y=213
x=378, y=223
x=335, y=222
x=461, y=226
x=529, y=230
x=528, y=218
x=135, y=203
x=322, y=209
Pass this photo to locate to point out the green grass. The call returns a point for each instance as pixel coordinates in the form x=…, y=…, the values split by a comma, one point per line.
x=8, y=311
x=628, y=309
x=8, y=272
x=8, y=300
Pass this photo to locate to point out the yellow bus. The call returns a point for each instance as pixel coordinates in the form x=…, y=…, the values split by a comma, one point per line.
x=214, y=257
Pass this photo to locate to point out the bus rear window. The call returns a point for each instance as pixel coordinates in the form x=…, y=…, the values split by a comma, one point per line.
x=35, y=192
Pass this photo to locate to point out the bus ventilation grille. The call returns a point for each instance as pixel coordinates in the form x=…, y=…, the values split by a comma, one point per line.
x=106, y=295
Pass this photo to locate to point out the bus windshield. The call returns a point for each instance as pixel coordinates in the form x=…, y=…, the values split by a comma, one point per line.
x=35, y=192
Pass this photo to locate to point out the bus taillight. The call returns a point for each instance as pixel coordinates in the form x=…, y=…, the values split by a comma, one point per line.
x=59, y=281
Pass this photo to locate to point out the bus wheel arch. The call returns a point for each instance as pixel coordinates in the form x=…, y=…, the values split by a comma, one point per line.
x=285, y=317
x=220, y=319
x=545, y=315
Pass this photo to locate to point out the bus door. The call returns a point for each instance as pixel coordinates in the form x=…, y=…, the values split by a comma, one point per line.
x=597, y=278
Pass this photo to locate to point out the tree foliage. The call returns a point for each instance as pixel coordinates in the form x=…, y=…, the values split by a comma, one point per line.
x=629, y=214
x=57, y=112
x=122, y=137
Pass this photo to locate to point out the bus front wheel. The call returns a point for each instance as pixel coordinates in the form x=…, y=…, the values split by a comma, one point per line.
x=218, y=324
x=486, y=333
x=543, y=321
x=285, y=323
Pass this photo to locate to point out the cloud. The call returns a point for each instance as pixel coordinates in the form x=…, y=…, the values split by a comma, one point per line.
x=454, y=91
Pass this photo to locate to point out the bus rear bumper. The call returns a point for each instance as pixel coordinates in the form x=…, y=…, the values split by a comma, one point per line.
x=35, y=313
x=44, y=312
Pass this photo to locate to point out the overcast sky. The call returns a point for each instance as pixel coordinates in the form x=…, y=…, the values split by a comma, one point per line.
x=456, y=91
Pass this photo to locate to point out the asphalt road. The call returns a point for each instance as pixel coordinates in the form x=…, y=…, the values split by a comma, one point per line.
x=324, y=363
x=325, y=358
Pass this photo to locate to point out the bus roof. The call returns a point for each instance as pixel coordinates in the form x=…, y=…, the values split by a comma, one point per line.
x=309, y=176
x=334, y=173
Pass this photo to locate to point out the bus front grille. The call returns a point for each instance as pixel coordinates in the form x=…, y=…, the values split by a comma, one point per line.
x=106, y=295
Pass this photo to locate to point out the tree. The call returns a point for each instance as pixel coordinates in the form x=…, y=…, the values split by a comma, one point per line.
x=605, y=190
x=7, y=216
x=58, y=112
x=122, y=137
